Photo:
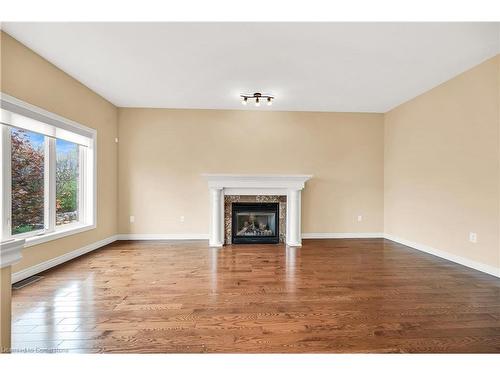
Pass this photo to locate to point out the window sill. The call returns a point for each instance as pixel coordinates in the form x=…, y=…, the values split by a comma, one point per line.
x=63, y=232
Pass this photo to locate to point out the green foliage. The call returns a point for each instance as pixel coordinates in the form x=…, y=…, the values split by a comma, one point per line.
x=23, y=229
x=27, y=183
x=66, y=180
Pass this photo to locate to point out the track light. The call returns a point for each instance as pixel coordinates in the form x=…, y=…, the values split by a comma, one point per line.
x=257, y=96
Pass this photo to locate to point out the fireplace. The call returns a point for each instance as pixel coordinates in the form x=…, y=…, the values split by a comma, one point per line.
x=284, y=189
x=255, y=222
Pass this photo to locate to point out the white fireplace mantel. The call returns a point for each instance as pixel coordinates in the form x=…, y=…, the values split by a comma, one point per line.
x=241, y=184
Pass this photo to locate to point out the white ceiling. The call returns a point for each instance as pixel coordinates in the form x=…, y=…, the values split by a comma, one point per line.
x=344, y=67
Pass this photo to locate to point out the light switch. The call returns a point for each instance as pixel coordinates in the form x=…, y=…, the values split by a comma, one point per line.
x=473, y=237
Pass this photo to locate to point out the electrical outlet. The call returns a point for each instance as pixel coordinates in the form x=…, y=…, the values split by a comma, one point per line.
x=360, y=218
x=181, y=219
x=132, y=219
x=473, y=237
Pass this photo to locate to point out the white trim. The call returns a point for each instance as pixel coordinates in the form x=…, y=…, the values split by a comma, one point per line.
x=216, y=228
x=90, y=161
x=30, y=271
x=445, y=255
x=205, y=236
x=71, y=229
x=259, y=181
x=311, y=236
x=50, y=185
x=164, y=236
x=6, y=185
x=82, y=194
x=10, y=252
x=293, y=222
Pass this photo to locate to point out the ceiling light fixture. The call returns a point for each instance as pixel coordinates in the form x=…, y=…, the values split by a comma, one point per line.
x=257, y=96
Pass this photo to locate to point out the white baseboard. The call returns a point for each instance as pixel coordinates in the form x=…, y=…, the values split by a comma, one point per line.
x=310, y=236
x=30, y=271
x=203, y=236
x=164, y=236
x=33, y=270
x=445, y=255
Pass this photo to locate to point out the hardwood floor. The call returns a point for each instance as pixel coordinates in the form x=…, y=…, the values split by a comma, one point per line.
x=329, y=296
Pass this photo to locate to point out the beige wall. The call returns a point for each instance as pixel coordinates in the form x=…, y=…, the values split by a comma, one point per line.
x=163, y=152
x=442, y=166
x=441, y=151
x=27, y=76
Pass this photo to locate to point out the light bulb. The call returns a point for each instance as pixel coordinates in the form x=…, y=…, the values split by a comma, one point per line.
x=269, y=101
x=257, y=102
x=244, y=101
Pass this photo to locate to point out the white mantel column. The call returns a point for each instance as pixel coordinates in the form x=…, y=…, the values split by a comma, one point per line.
x=216, y=218
x=10, y=253
x=294, y=233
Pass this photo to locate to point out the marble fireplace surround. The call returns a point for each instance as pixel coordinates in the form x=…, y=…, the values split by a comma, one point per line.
x=228, y=212
x=221, y=185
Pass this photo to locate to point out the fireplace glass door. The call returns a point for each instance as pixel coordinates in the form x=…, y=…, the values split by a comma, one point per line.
x=255, y=223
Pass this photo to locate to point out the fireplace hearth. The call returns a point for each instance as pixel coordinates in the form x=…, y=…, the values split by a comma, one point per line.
x=255, y=223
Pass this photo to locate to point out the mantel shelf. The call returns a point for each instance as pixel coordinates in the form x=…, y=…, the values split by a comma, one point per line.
x=267, y=181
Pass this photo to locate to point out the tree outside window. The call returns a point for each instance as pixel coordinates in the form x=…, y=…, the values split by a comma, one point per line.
x=66, y=182
x=27, y=174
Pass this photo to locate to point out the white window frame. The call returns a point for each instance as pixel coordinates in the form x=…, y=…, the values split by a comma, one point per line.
x=87, y=188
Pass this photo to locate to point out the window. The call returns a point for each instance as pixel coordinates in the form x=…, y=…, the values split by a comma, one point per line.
x=48, y=174
x=67, y=182
x=27, y=181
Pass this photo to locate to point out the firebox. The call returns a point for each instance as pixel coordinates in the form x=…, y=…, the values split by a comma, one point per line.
x=255, y=223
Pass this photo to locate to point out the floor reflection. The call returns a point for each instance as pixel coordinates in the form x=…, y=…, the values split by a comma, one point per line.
x=213, y=254
x=291, y=261
x=49, y=322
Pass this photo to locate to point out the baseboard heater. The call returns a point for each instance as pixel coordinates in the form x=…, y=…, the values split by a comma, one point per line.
x=25, y=282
